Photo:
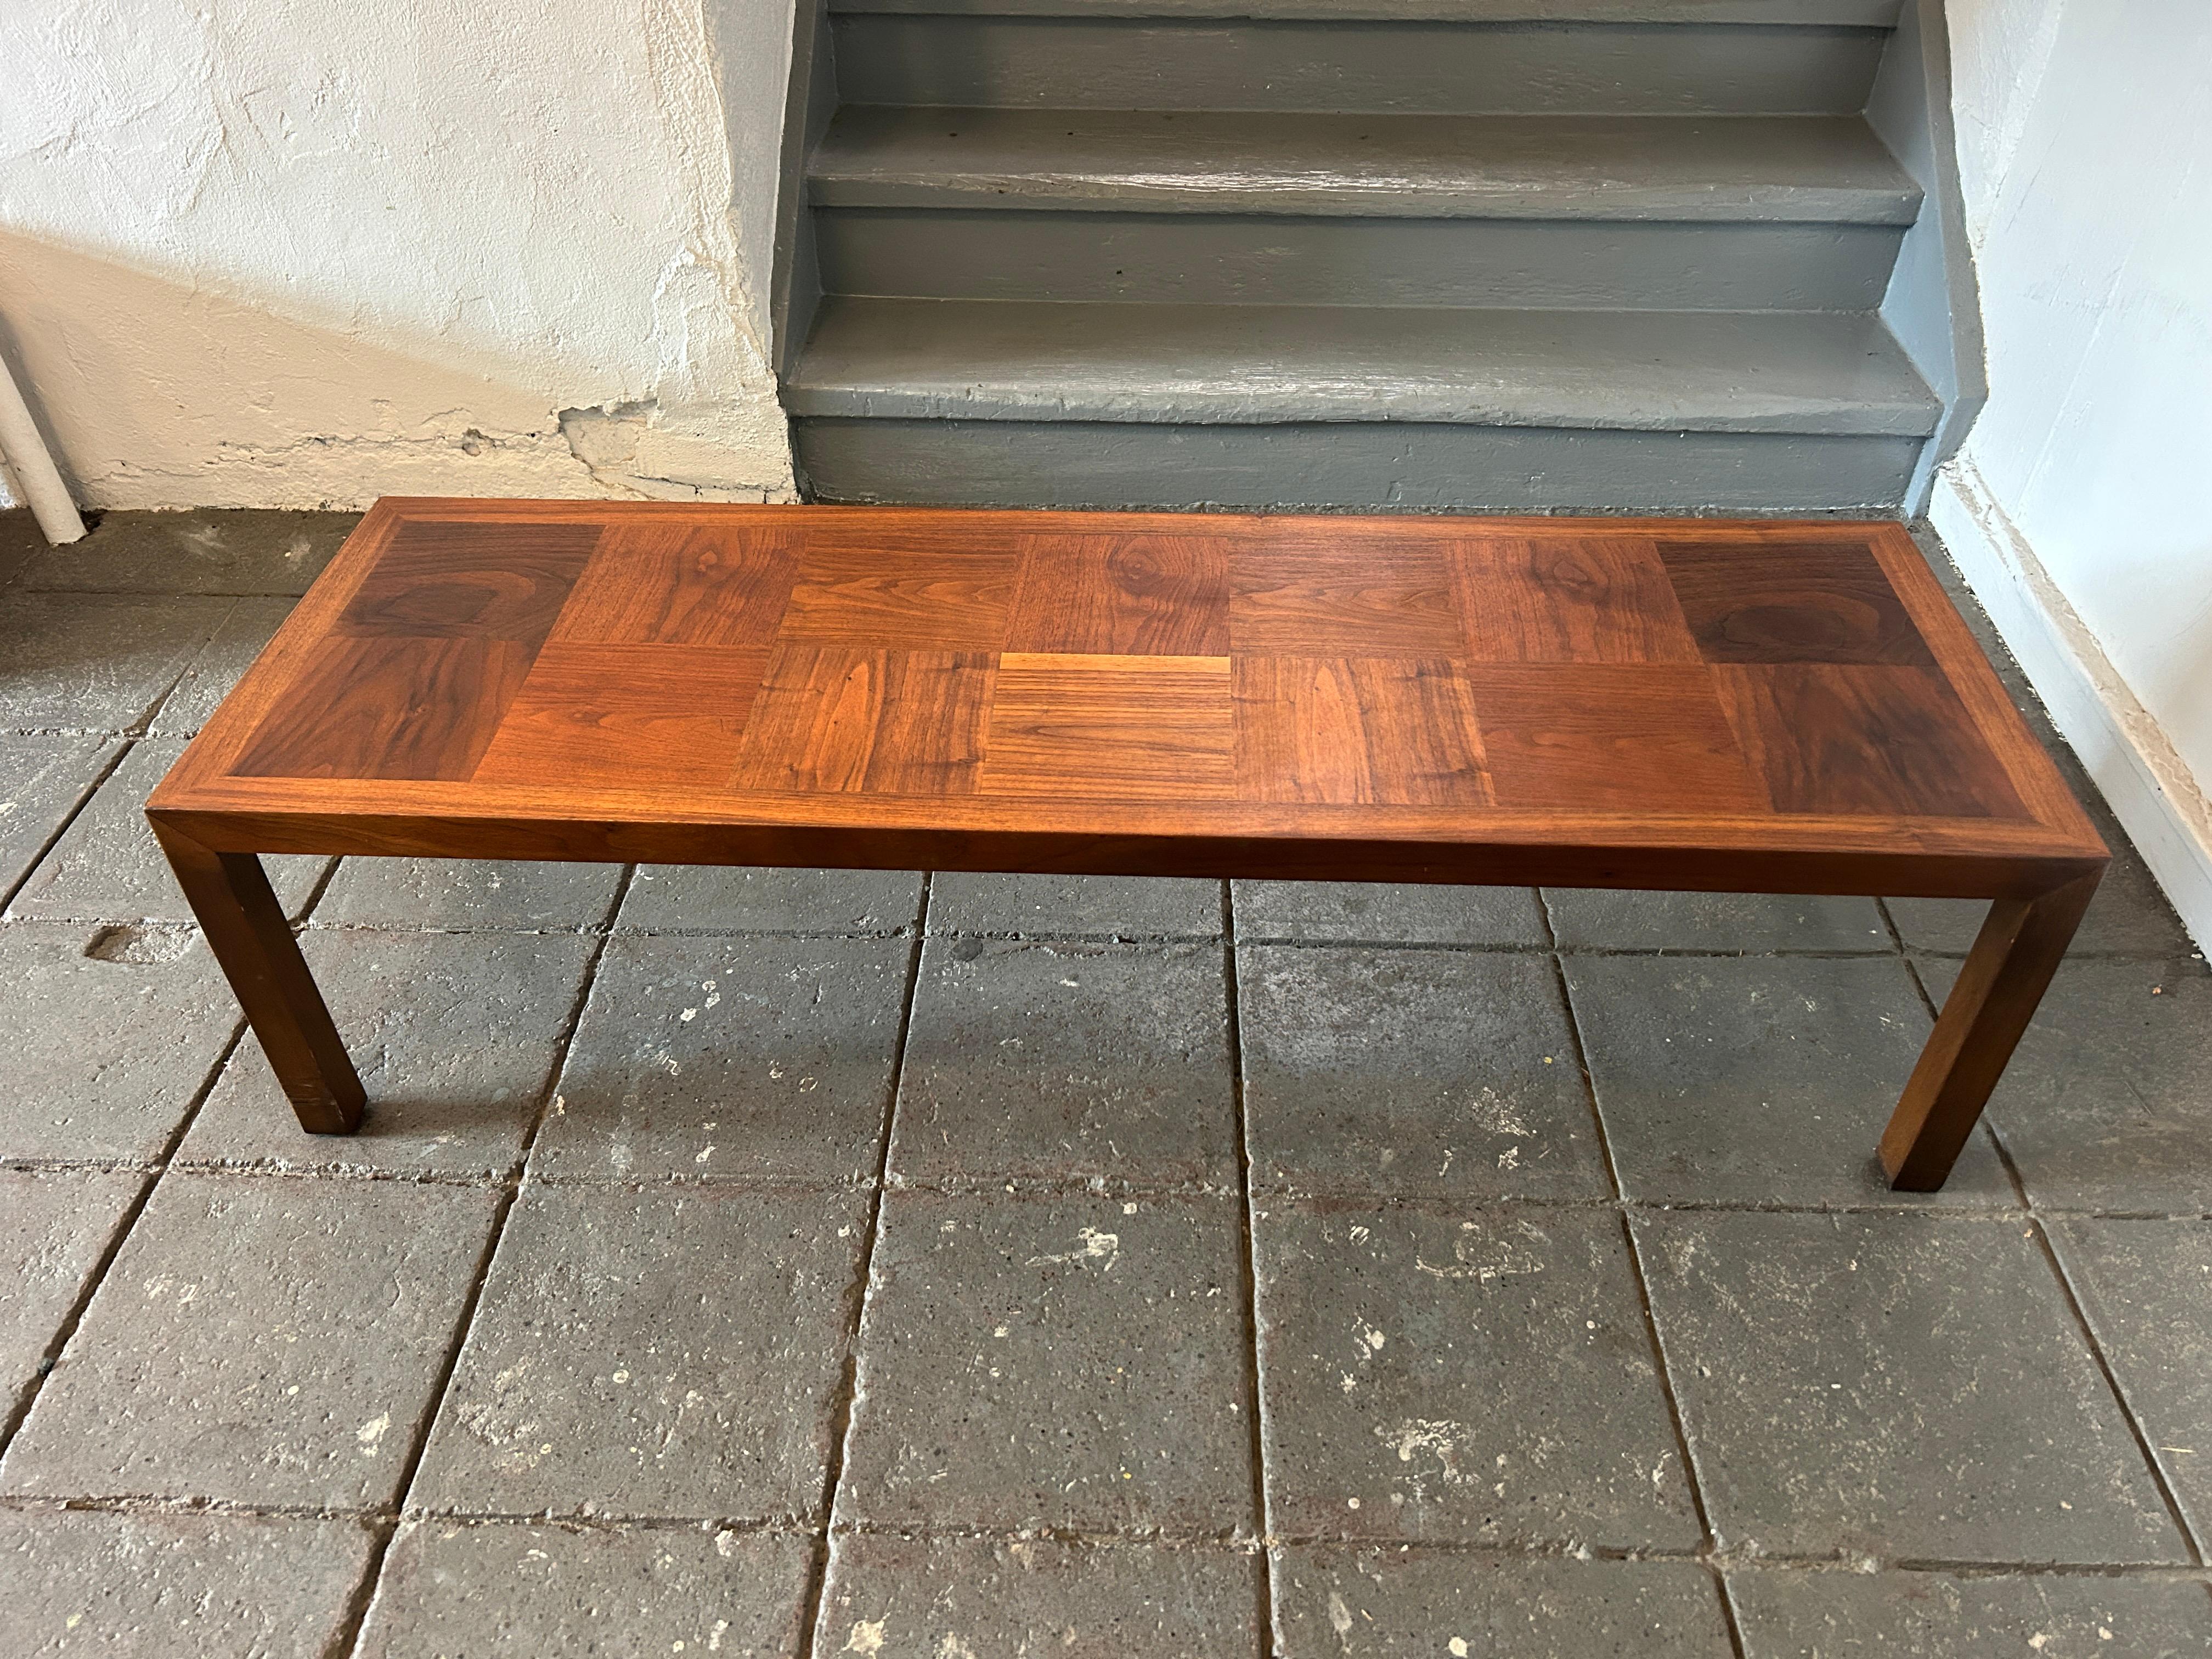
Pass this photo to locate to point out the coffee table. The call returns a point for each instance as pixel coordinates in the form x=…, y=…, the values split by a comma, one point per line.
x=1739, y=707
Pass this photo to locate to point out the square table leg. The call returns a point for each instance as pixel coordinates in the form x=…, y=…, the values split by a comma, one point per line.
x=244, y=926
x=2015, y=954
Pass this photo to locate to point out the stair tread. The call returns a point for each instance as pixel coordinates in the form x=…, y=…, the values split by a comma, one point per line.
x=1861, y=14
x=1790, y=168
x=1808, y=372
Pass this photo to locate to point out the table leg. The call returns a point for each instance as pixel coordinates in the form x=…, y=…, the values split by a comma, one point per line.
x=2004, y=977
x=245, y=928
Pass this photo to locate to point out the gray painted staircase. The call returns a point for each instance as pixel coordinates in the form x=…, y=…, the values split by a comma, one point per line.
x=1512, y=254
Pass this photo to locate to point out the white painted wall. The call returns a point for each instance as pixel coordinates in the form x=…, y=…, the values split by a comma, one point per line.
x=2081, y=506
x=308, y=251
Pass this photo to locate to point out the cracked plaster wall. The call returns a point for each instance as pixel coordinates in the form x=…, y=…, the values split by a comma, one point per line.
x=304, y=252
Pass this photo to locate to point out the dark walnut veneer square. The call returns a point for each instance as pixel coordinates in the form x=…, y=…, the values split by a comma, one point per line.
x=1759, y=706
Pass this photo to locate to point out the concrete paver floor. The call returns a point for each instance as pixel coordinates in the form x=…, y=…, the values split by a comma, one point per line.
x=754, y=1263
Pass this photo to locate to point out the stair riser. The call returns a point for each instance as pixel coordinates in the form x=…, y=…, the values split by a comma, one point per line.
x=1244, y=258
x=1443, y=68
x=1374, y=467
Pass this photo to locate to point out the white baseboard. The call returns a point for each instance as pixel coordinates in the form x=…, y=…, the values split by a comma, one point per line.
x=2150, y=790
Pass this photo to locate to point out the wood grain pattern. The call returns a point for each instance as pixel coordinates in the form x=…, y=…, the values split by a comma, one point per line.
x=1310, y=594
x=835, y=719
x=1634, y=739
x=1834, y=738
x=1456, y=602
x=607, y=714
x=470, y=581
x=1138, y=728
x=1359, y=730
x=902, y=588
x=1595, y=598
x=672, y=582
x=391, y=707
x=1809, y=601
x=2014, y=957
x=1164, y=596
x=245, y=927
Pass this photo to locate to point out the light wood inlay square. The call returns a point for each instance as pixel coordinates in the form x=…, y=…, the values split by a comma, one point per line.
x=616, y=716
x=1317, y=596
x=1133, y=728
x=833, y=720
x=1392, y=730
x=1165, y=596
x=921, y=591
x=1585, y=598
x=1608, y=737
x=667, y=583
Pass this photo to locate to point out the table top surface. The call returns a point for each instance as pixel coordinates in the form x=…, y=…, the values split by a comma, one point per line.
x=1019, y=689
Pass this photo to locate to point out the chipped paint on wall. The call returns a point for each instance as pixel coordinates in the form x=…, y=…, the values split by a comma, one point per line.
x=310, y=254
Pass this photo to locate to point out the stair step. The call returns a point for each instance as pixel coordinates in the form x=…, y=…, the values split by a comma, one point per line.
x=1866, y=14
x=1795, y=169
x=1837, y=373
x=1070, y=61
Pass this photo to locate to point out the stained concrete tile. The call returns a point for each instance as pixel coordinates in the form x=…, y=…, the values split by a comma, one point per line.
x=754, y=1058
x=514, y=895
x=924, y=1598
x=42, y=779
x=1075, y=1361
x=681, y=898
x=2130, y=915
x=454, y=1038
x=108, y=867
x=205, y=550
x=20, y=541
x=73, y=664
x=273, y=1342
x=1097, y=1062
x=54, y=1227
x=1481, y=1376
x=155, y=1586
x=1075, y=907
x=1333, y=1601
x=1759, y=1079
x=106, y=1056
x=1385, y=913
x=1435, y=1072
x=220, y=665
x=2147, y=1289
x=2105, y=1105
x=490, y=1588
x=1602, y=919
x=667, y=1353
x=1901, y=1386
x=1833, y=1615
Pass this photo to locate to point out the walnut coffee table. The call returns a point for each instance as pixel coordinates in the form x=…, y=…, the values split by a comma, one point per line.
x=1733, y=707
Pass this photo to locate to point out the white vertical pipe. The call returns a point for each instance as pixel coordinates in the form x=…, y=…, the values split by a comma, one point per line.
x=32, y=468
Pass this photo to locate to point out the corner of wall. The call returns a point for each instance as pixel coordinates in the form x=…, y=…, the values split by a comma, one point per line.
x=1934, y=302
x=2147, y=784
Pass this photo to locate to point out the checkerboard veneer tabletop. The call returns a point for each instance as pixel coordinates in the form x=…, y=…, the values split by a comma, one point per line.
x=1735, y=705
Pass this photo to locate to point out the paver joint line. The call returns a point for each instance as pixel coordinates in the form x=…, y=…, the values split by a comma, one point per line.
x=840, y=1417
